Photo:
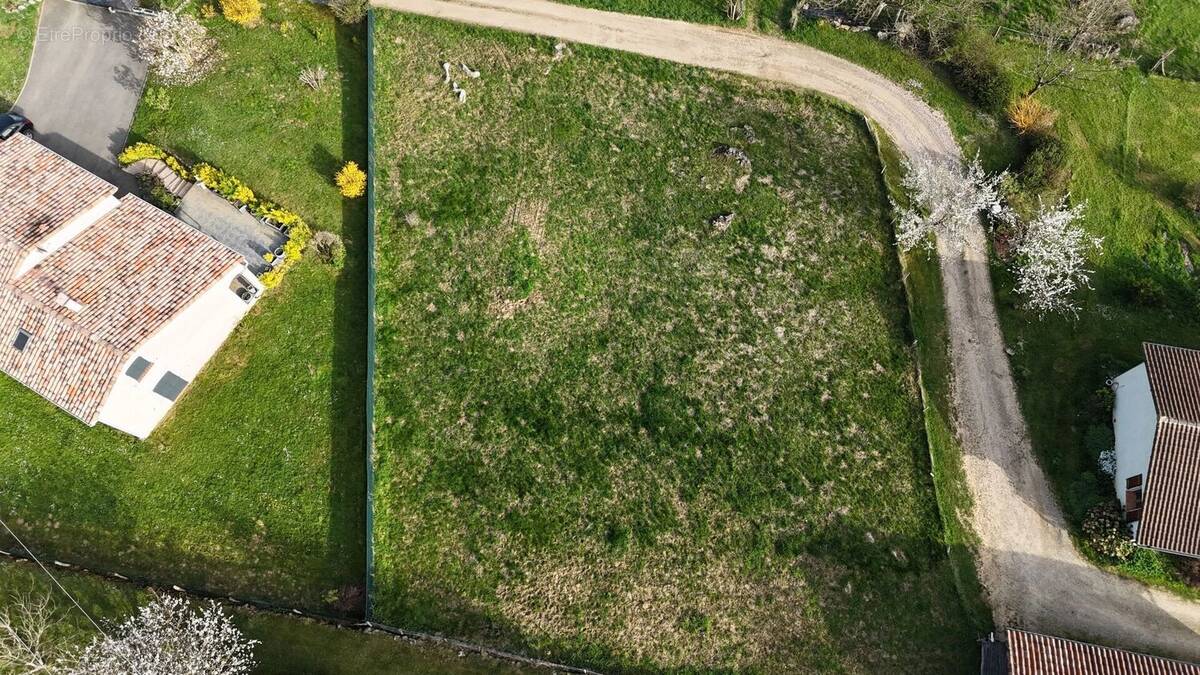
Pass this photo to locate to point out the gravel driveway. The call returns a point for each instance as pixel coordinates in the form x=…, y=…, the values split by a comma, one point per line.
x=1034, y=576
x=83, y=85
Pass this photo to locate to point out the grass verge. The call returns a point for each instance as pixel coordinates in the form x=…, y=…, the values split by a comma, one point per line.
x=614, y=430
x=254, y=486
x=17, y=31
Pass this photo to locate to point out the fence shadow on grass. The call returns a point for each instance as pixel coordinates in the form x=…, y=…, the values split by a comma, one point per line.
x=346, y=542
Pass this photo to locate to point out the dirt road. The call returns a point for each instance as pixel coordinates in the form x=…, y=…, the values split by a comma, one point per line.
x=1035, y=578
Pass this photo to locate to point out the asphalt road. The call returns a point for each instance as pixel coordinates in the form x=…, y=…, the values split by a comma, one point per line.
x=83, y=85
x=1034, y=577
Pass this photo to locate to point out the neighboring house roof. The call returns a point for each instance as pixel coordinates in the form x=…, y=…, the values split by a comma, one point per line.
x=41, y=192
x=1035, y=654
x=1171, y=512
x=91, y=303
x=1174, y=374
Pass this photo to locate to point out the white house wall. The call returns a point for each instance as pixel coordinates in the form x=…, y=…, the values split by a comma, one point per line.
x=182, y=347
x=1134, y=423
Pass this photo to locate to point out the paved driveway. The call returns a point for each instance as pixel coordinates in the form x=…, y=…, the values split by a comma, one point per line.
x=84, y=84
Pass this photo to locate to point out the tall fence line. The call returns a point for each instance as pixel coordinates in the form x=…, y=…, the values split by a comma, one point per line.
x=369, y=544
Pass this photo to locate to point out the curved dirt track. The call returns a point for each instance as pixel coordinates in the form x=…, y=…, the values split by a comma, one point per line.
x=1034, y=577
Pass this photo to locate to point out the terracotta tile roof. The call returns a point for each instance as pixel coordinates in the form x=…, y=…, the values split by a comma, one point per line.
x=132, y=272
x=1171, y=512
x=39, y=192
x=1174, y=375
x=60, y=362
x=1034, y=654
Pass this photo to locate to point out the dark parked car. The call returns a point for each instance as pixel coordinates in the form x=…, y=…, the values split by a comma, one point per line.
x=12, y=123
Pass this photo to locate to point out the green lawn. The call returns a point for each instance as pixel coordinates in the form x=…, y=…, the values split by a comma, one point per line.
x=255, y=485
x=16, y=43
x=614, y=433
x=1171, y=24
x=288, y=644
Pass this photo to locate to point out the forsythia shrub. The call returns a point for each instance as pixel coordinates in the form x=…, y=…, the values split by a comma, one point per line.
x=351, y=180
x=246, y=13
x=1030, y=116
x=140, y=151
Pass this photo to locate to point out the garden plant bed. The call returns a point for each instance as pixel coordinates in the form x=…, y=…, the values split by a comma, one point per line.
x=613, y=429
x=255, y=485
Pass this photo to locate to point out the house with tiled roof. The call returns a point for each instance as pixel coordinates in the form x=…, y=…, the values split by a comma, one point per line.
x=108, y=307
x=1018, y=652
x=1157, y=426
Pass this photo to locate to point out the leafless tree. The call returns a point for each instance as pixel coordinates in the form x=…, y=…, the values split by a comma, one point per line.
x=948, y=199
x=29, y=641
x=1081, y=40
x=735, y=9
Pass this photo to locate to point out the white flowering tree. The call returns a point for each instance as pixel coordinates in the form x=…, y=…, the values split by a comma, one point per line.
x=168, y=637
x=177, y=48
x=948, y=198
x=1051, y=258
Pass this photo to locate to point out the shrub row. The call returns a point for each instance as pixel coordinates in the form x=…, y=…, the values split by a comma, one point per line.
x=142, y=150
x=240, y=194
x=234, y=190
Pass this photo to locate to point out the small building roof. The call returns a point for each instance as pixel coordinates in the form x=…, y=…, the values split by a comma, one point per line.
x=1036, y=654
x=40, y=191
x=1174, y=374
x=1171, y=512
x=90, y=304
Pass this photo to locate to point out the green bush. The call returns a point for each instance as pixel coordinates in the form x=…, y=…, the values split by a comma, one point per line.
x=1046, y=169
x=156, y=193
x=1143, y=290
x=975, y=61
x=1191, y=197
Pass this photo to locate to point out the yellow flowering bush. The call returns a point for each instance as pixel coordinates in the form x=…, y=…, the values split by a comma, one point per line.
x=143, y=150
x=246, y=13
x=351, y=180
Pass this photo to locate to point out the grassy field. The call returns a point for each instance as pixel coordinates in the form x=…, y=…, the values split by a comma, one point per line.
x=288, y=644
x=612, y=432
x=255, y=485
x=16, y=43
x=1171, y=24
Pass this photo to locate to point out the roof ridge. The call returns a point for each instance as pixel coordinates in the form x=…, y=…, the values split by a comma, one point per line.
x=1167, y=419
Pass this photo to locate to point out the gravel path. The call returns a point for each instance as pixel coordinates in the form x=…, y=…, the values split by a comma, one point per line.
x=1035, y=578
